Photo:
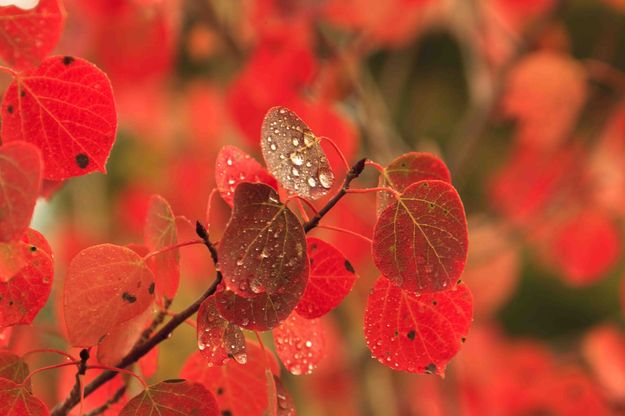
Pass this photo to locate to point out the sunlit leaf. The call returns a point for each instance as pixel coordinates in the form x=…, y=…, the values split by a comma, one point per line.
x=416, y=333
x=105, y=286
x=16, y=400
x=217, y=339
x=331, y=278
x=66, y=108
x=20, y=183
x=300, y=343
x=294, y=155
x=172, y=398
x=420, y=242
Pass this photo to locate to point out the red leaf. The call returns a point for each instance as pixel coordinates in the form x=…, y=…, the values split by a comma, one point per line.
x=66, y=108
x=300, y=343
x=217, y=339
x=407, y=169
x=294, y=155
x=20, y=181
x=12, y=367
x=234, y=166
x=171, y=398
x=16, y=400
x=286, y=405
x=26, y=272
x=420, y=242
x=240, y=389
x=105, y=286
x=604, y=350
x=416, y=333
x=160, y=232
x=331, y=278
x=28, y=36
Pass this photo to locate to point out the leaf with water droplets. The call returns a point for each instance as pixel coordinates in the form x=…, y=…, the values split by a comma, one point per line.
x=26, y=271
x=407, y=169
x=294, y=155
x=331, y=278
x=20, y=182
x=13, y=367
x=16, y=400
x=218, y=339
x=240, y=389
x=300, y=343
x=172, y=398
x=160, y=232
x=286, y=405
x=420, y=242
x=234, y=166
x=66, y=108
x=416, y=333
x=105, y=286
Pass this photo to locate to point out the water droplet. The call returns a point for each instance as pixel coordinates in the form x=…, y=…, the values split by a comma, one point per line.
x=282, y=111
x=295, y=142
x=297, y=159
x=240, y=262
x=256, y=286
x=201, y=346
x=326, y=178
x=312, y=182
x=264, y=254
x=273, y=146
x=229, y=162
x=308, y=344
x=240, y=358
x=231, y=181
x=295, y=172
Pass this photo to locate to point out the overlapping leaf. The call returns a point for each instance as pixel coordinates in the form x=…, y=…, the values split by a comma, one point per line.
x=420, y=242
x=27, y=36
x=172, y=398
x=20, y=183
x=16, y=400
x=299, y=343
x=293, y=154
x=160, y=232
x=331, y=278
x=234, y=166
x=105, y=286
x=26, y=272
x=217, y=339
x=66, y=108
x=12, y=367
x=416, y=333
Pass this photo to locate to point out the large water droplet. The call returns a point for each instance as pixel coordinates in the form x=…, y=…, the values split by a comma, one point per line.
x=297, y=159
x=326, y=178
x=312, y=182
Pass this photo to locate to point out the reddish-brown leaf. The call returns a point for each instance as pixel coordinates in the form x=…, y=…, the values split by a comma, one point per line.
x=20, y=182
x=12, y=367
x=416, y=333
x=105, y=286
x=234, y=166
x=66, y=108
x=420, y=242
x=26, y=272
x=160, y=232
x=294, y=155
x=172, y=398
x=300, y=343
x=331, y=278
x=217, y=339
x=27, y=36
x=407, y=169
x=16, y=400
x=286, y=405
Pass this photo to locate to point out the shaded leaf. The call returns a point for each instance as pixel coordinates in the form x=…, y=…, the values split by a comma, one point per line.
x=416, y=333
x=234, y=166
x=66, y=108
x=294, y=155
x=420, y=242
x=331, y=278
x=12, y=367
x=16, y=400
x=105, y=286
x=300, y=343
x=172, y=398
x=217, y=339
x=20, y=183
x=286, y=405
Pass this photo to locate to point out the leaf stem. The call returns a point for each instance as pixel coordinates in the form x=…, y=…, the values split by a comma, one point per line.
x=346, y=231
x=52, y=350
x=337, y=149
x=49, y=367
x=119, y=370
x=376, y=189
x=376, y=165
x=172, y=247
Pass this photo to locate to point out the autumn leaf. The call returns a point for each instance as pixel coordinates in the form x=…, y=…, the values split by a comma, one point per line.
x=300, y=343
x=66, y=108
x=13, y=367
x=16, y=400
x=217, y=339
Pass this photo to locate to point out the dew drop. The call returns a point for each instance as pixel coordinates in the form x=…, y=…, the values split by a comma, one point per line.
x=326, y=178
x=297, y=159
x=229, y=162
x=282, y=111
x=295, y=172
x=295, y=142
x=312, y=182
x=273, y=146
x=240, y=358
x=308, y=344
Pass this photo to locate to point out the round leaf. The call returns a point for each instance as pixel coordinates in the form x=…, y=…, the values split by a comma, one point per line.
x=217, y=339
x=300, y=343
x=13, y=367
x=15, y=399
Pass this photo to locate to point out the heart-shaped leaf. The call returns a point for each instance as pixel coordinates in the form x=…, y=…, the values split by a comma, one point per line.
x=66, y=108
x=105, y=286
x=20, y=183
x=13, y=367
x=294, y=155
x=331, y=278
x=217, y=339
x=416, y=333
x=300, y=343
x=16, y=400
x=420, y=242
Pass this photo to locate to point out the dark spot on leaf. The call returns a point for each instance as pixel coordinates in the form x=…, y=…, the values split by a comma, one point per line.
x=219, y=391
x=430, y=368
x=313, y=247
x=396, y=333
x=431, y=205
x=349, y=267
x=425, y=185
x=434, y=303
x=84, y=354
x=174, y=380
x=10, y=303
x=151, y=288
x=67, y=60
x=128, y=297
x=33, y=248
x=411, y=334
x=459, y=281
x=82, y=160
x=463, y=339
x=22, y=93
x=312, y=261
x=226, y=413
x=10, y=109
x=101, y=338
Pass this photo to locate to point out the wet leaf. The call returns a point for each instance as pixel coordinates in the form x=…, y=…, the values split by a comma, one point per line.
x=234, y=166
x=12, y=367
x=416, y=333
x=420, y=242
x=294, y=155
x=66, y=108
x=105, y=286
x=16, y=400
x=300, y=343
x=20, y=182
x=331, y=278
x=217, y=339
x=286, y=405
x=172, y=398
